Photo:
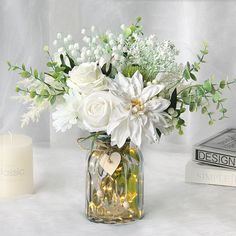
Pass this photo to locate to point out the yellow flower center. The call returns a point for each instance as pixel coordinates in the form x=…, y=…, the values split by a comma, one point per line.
x=137, y=105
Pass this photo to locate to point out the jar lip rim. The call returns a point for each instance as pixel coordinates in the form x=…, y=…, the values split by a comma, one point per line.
x=99, y=137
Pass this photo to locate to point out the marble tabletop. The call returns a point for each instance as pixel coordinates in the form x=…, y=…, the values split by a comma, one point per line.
x=172, y=207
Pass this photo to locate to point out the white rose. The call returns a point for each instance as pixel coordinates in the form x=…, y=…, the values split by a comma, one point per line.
x=87, y=77
x=95, y=111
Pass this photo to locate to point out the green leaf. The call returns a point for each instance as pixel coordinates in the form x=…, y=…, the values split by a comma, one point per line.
x=205, y=44
x=173, y=99
x=44, y=93
x=158, y=132
x=184, y=94
x=222, y=84
x=207, y=85
x=216, y=97
x=192, y=106
x=53, y=99
x=36, y=74
x=14, y=68
x=188, y=65
x=59, y=69
x=51, y=64
x=107, y=72
x=186, y=74
x=193, y=77
x=181, y=122
x=23, y=67
x=138, y=19
x=67, y=68
x=72, y=63
x=133, y=28
x=204, y=52
x=127, y=32
x=213, y=90
x=196, y=66
x=181, y=132
x=186, y=100
x=223, y=100
x=223, y=110
x=204, y=110
x=104, y=39
x=199, y=101
x=42, y=76
x=129, y=71
x=200, y=91
x=9, y=65
x=25, y=74
x=32, y=94
x=211, y=122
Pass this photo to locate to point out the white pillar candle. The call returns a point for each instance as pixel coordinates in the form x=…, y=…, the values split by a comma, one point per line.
x=16, y=165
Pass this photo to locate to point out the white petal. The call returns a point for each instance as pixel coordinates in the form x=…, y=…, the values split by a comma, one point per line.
x=159, y=104
x=159, y=119
x=120, y=134
x=136, y=131
x=150, y=132
x=137, y=84
x=119, y=114
x=122, y=81
x=104, y=59
x=151, y=91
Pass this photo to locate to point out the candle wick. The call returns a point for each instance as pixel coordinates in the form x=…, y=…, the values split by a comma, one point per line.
x=11, y=136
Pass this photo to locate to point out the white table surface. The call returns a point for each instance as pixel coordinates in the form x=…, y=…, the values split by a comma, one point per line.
x=172, y=207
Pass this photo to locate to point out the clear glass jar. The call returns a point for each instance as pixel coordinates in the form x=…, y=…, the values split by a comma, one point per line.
x=116, y=197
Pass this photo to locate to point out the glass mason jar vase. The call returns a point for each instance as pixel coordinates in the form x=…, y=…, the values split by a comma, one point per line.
x=114, y=183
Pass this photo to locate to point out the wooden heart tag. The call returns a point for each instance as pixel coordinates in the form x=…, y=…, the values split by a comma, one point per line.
x=110, y=164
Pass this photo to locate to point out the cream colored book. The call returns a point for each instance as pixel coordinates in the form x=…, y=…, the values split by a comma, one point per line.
x=208, y=174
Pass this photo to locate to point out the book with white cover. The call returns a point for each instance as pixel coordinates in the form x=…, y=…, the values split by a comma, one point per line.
x=208, y=174
x=219, y=150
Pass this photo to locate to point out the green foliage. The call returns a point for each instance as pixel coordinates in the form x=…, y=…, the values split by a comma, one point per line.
x=128, y=31
x=17, y=89
x=25, y=74
x=104, y=38
x=138, y=19
x=106, y=71
x=189, y=69
x=130, y=70
x=32, y=94
x=133, y=28
x=48, y=91
x=200, y=96
x=203, y=95
x=52, y=99
x=51, y=64
x=207, y=86
x=173, y=99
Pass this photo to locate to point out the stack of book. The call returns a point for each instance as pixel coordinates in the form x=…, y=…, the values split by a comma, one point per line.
x=214, y=160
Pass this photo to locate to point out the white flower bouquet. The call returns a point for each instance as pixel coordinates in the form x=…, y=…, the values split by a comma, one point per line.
x=126, y=86
x=124, y=89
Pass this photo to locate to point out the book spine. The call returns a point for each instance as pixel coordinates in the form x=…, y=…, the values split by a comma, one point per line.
x=197, y=173
x=214, y=158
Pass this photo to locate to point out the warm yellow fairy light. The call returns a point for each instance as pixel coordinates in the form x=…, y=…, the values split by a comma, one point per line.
x=115, y=197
